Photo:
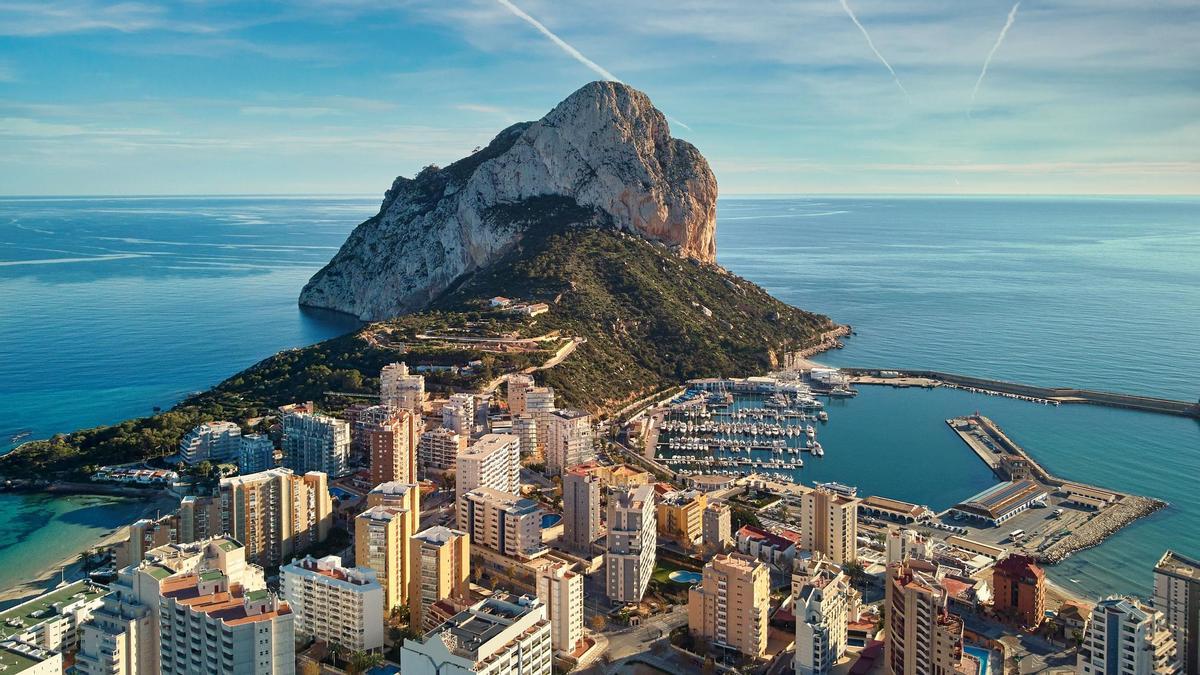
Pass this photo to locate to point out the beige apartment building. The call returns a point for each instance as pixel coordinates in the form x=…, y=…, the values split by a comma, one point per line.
x=829, y=524
x=729, y=606
x=923, y=637
x=392, y=446
x=440, y=560
x=381, y=538
x=560, y=588
x=276, y=513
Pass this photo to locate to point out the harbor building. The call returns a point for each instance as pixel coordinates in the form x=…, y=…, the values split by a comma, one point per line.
x=1177, y=596
x=214, y=442
x=681, y=517
x=568, y=440
x=438, y=449
x=581, y=511
x=1001, y=502
x=517, y=384
x=210, y=623
x=276, y=513
x=494, y=461
x=502, y=635
x=561, y=590
x=382, y=537
x=825, y=602
x=313, y=442
x=503, y=522
x=256, y=453
x=122, y=635
x=717, y=528
x=335, y=604
x=1019, y=590
x=399, y=389
x=829, y=524
x=923, y=637
x=631, y=548
x=1128, y=638
x=440, y=560
x=729, y=606
x=22, y=658
x=391, y=444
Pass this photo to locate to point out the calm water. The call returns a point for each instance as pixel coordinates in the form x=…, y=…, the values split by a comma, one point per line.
x=111, y=307
x=120, y=305
x=1099, y=293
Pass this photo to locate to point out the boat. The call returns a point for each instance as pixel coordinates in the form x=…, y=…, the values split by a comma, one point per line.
x=841, y=391
x=823, y=416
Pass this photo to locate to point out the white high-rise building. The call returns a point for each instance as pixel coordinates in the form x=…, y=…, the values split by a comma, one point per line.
x=501, y=521
x=561, y=589
x=524, y=427
x=212, y=441
x=336, y=604
x=493, y=462
x=256, y=453
x=123, y=635
x=314, y=442
x=568, y=440
x=1125, y=638
x=210, y=623
x=399, y=389
x=632, y=542
x=458, y=414
x=1177, y=596
x=823, y=606
x=502, y=635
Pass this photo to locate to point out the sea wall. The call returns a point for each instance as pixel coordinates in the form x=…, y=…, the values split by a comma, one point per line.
x=1059, y=394
x=1096, y=530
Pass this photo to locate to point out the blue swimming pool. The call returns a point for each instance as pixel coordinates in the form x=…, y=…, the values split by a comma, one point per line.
x=550, y=520
x=340, y=493
x=685, y=577
x=982, y=654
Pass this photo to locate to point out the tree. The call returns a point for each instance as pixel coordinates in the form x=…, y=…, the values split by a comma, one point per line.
x=599, y=623
x=310, y=667
x=741, y=515
x=709, y=667
x=360, y=662
x=449, y=480
x=335, y=652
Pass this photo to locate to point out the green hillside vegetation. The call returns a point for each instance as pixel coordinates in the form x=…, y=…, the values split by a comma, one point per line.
x=650, y=318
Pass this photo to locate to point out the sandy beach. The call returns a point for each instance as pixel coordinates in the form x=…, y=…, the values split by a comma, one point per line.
x=71, y=568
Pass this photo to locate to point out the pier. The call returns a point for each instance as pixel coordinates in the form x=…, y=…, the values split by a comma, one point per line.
x=1073, y=516
x=1048, y=395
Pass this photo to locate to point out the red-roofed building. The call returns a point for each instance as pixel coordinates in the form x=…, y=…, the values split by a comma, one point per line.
x=1020, y=590
x=766, y=546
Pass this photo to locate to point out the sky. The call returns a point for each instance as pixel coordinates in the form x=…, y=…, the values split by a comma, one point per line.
x=782, y=97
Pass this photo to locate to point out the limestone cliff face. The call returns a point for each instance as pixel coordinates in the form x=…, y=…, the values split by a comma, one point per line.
x=606, y=147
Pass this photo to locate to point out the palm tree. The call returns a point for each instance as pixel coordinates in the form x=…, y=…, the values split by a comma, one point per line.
x=335, y=652
x=360, y=662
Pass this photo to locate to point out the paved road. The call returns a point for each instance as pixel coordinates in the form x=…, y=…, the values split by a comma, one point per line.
x=630, y=641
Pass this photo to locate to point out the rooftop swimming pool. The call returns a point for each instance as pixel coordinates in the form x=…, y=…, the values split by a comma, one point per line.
x=550, y=520
x=981, y=654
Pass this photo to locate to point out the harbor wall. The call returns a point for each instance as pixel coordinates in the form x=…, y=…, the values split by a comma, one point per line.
x=1060, y=394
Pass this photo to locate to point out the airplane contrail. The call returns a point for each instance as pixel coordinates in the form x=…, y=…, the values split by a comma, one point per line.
x=562, y=44
x=1012, y=15
x=571, y=51
x=871, y=44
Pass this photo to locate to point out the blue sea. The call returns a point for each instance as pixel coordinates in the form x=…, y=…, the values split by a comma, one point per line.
x=114, y=306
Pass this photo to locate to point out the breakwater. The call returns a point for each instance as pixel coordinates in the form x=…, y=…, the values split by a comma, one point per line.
x=1062, y=395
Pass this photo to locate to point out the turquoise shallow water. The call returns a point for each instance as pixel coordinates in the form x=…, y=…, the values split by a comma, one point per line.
x=173, y=295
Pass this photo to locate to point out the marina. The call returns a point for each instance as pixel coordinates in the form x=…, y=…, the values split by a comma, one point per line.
x=735, y=427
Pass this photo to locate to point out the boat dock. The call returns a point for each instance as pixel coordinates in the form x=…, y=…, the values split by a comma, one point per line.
x=1032, y=393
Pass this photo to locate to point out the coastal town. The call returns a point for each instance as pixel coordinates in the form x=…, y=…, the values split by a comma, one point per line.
x=495, y=532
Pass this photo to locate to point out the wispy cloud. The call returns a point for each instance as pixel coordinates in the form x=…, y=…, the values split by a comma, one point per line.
x=7, y=73
x=36, y=19
x=1012, y=15
x=562, y=44
x=871, y=44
